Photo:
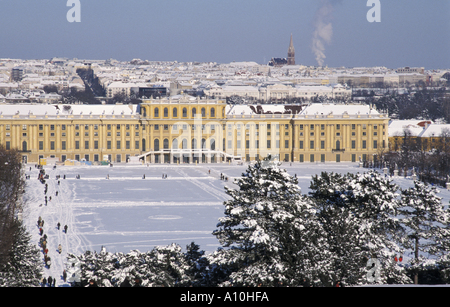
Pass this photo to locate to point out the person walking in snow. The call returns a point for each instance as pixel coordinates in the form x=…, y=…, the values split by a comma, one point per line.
x=59, y=248
x=65, y=228
x=58, y=225
x=50, y=280
x=64, y=275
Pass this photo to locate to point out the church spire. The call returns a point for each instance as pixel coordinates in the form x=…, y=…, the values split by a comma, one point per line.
x=291, y=53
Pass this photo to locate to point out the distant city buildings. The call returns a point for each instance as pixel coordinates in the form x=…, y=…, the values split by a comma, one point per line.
x=192, y=112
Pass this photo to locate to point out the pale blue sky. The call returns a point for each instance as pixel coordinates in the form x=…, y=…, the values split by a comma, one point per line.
x=411, y=32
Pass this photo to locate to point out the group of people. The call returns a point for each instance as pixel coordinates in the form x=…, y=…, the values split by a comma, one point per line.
x=223, y=177
x=43, y=243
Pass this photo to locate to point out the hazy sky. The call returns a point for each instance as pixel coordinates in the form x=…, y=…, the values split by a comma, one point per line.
x=411, y=32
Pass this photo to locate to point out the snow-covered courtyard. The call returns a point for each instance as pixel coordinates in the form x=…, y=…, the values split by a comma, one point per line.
x=134, y=207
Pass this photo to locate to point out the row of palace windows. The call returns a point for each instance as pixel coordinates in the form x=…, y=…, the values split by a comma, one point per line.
x=175, y=112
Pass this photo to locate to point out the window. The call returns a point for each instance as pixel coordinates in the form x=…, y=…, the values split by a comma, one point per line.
x=301, y=145
x=156, y=127
x=63, y=145
x=127, y=144
x=86, y=144
x=375, y=144
x=322, y=127
x=203, y=112
x=24, y=127
x=268, y=144
x=136, y=144
x=364, y=144
x=301, y=158
x=63, y=127
x=322, y=144
x=52, y=127
x=213, y=112
x=108, y=144
x=184, y=112
x=353, y=144
x=95, y=144
x=156, y=112
x=311, y=127
x=286, y=144
x=77, y=144
x=311, y=144
x=322, y=158
x=77, y=127
x=338, y=126
x=353, y=126
x=41, y=145
x=301, y=127
x=166, y=112
x=52, y=145
x=311, y=158
x=8, y=127
x=174, y=112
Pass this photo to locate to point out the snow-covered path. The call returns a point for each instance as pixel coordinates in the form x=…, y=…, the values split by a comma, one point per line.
x=127, y=212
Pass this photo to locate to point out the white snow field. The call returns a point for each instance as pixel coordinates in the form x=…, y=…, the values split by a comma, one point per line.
x=128, y=212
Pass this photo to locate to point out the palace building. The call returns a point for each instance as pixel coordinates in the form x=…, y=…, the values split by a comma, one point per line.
x=184, y=129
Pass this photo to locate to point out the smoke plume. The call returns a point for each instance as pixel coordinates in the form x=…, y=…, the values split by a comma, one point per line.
x=323, y=30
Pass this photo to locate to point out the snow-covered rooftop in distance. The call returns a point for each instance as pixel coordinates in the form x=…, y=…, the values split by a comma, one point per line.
x=434, y=130
x=75, y=109
x=415, y=126
x=338, y=109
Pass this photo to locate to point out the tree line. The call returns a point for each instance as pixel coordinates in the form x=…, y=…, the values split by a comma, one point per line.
x=19, y=259
x=351, y=229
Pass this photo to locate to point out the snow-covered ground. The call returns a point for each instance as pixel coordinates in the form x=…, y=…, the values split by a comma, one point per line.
x=128, y=212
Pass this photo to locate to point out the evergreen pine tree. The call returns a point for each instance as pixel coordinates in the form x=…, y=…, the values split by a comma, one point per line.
x=267, y=228
x=424, y=219
x=357, y=213
x=24, y=268
x=198, y=265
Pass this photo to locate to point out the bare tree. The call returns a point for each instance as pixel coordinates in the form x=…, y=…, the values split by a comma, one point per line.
x=11, y=189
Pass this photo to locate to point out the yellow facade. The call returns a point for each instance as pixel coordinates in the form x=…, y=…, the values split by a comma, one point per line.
x=191, y=131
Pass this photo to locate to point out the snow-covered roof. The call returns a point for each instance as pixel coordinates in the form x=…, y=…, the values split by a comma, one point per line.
x=60, y=109
x=338, y=109
x=416, y=127
x=434, y=130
